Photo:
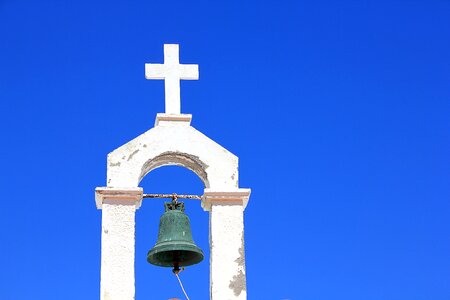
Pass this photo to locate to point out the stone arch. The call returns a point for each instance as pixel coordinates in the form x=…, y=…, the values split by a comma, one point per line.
x=187, y=161
x=174, y=143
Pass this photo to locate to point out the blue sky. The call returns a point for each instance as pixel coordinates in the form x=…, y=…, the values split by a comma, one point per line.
x=338, y=110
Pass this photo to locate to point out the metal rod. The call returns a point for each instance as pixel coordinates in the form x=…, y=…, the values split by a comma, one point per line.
x=172, y=196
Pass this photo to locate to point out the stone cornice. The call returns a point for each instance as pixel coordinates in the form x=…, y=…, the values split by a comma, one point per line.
x=236, y=197
x=177, y=118
x=111, y=194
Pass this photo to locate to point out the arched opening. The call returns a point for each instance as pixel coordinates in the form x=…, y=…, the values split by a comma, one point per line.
x=157, y=282
x=190, y=162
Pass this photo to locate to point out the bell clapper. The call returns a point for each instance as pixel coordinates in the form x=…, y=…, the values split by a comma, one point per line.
x=176, y=269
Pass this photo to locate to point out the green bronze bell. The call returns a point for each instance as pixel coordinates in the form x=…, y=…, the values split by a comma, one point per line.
x=175, y=246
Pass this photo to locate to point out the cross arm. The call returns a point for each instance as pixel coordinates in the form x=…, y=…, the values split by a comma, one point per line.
x=189, y=72
x=155, y=71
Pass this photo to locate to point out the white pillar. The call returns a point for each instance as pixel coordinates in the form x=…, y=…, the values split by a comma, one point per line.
x=118, y=241
x=227, y=265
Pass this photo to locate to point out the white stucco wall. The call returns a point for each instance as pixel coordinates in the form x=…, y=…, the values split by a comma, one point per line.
x=118, y=248
x=173, y=142
x=227, y=274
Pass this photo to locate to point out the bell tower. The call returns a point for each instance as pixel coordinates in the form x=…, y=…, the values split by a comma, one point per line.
x=172, y=141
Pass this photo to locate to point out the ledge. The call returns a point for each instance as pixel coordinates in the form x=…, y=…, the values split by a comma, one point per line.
x=236, y=197
x=184, y=119
x=121, y=195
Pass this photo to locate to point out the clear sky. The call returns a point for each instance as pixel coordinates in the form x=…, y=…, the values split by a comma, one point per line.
x=338, y=111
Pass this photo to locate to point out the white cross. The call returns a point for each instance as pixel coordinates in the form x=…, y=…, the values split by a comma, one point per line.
x=171, y=71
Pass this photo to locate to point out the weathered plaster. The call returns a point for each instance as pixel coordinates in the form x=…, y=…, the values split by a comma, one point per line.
x=237, y=284
x=227, y=275
x=173, y=143
x=118, y=240
x=117, y=262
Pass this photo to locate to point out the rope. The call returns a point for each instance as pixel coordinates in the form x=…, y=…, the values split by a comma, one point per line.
x=179, y=280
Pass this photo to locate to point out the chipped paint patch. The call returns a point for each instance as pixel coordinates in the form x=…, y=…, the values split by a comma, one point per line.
x=241, y=259
x=117, y=164
x=237, y=284
x=132, y=154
